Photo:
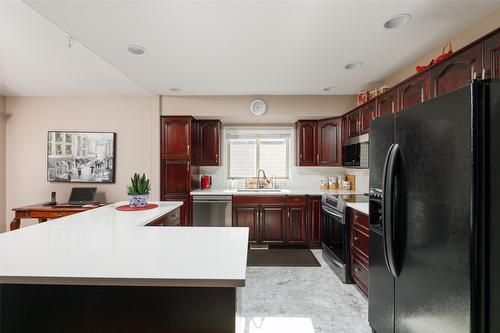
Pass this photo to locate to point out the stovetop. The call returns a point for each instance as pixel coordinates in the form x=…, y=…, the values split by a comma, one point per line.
x=338, y=201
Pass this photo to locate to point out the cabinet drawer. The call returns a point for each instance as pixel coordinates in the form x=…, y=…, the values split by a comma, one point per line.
x=297, y=200
x=360, y=242
x=259, y=200
x=359, y=219
x=47, y=215
x=360, y=274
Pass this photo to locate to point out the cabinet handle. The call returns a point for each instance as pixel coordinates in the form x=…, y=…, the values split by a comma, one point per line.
x=357, y=270
x=356, y=238
x=188, y=165
x=317, y=158
x=289, y=213
x=300, y=157
x=189, y=149
x=483, y=74
x=217, y=158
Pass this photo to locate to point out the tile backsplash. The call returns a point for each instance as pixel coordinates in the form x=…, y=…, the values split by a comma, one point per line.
x=300, y=177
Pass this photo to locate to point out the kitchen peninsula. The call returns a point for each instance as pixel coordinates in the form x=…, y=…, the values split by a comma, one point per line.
x=105, y=270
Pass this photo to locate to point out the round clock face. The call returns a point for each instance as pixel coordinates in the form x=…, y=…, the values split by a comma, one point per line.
x=258, y=107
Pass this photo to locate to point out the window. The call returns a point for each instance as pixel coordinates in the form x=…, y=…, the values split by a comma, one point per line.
x=250, y=150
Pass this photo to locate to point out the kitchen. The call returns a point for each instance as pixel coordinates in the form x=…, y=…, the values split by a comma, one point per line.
x=325, y=200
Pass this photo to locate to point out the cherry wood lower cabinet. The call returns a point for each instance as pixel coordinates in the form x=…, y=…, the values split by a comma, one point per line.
x=272, y=224
x=171, y=219
x=359, y=248
x=185, y=216
x=315, y=225
x=296, y=230
x=273, y=220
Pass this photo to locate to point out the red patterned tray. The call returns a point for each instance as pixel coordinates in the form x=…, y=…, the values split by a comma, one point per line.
x=127, y=208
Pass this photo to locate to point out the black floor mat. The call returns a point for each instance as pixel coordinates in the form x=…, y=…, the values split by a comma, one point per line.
x=282, y=258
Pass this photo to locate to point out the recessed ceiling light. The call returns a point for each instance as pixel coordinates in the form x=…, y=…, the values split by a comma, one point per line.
x=353, y=65
x=327, y=89
x=136, y=49
x=396, y=21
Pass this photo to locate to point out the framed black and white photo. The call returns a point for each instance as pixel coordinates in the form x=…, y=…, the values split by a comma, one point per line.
x=81, y=157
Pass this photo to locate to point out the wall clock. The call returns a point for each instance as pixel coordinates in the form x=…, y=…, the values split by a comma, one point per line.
x=258, y=107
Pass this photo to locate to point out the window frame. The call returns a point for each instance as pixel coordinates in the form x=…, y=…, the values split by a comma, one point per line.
x=258, y=139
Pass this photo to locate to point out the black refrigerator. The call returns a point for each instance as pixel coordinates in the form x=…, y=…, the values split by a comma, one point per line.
x=435, y=215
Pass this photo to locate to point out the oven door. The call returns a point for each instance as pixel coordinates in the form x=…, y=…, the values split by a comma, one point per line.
x=334, y=230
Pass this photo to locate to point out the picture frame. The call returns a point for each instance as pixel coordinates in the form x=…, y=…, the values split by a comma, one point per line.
x=81, y=156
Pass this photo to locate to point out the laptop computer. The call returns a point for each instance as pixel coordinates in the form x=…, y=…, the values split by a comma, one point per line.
x=80, y=196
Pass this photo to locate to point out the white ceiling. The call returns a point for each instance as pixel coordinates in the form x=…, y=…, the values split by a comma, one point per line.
x=36, y=61
x=220, y=47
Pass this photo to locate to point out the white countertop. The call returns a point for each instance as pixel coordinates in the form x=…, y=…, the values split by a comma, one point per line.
x=109, y=247
x=363, y=207
x=282, y=192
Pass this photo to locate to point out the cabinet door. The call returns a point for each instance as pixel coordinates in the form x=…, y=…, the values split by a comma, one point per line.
x=175, y=177
x=414, y=92
x=457, y=71
x=329, y=142
x=492, y=56
x=367, y=113
x=307, y=142
x=210, y=142
x=272, y=224
x=388, y=103
x=296, y=229
x=314, y=221
x=176, y=137
x=353, y=124
x=247, y=216
x=185, y=210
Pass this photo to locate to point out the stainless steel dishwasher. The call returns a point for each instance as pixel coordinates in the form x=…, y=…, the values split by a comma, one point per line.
x=212, y=211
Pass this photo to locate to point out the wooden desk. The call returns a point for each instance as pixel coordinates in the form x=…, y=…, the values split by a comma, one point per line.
x=43, y=213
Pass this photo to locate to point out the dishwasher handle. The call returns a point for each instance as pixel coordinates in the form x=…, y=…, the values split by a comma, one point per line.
x=212, y=198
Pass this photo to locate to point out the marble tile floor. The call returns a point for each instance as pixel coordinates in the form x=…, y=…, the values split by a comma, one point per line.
x=300, y=300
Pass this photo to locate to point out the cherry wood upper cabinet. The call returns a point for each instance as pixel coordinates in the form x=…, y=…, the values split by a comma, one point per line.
x=492, y=56
x=330, y=142
x=353, y=124
x=456, y=71
x=367, y=112
x=307, y=149
x=414, y=92
x=175, y=177
x=176, y=137
x=388, y=103
x=209, y=136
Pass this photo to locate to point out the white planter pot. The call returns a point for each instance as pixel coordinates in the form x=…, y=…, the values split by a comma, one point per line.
x=138, y=200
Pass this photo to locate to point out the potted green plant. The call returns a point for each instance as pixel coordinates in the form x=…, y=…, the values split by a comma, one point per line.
x=138, y=190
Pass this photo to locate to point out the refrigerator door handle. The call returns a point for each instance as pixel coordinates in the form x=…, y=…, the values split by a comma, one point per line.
x=384, y=205
x=389, y=209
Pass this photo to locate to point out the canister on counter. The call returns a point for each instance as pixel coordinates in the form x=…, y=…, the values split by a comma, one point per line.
x=324, y=184
x=332, y=183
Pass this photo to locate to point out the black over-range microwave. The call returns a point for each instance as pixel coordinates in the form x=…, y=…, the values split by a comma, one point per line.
x=355, y=152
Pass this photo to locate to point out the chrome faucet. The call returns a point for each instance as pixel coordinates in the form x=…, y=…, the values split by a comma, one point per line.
x=258, y=177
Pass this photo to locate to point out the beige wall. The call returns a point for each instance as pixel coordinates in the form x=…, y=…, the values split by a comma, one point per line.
x=235, y=109
x=2, y=163
x=475, y=31
x=134, y=119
